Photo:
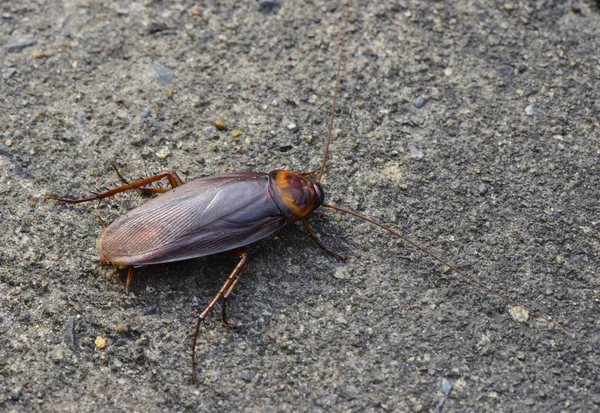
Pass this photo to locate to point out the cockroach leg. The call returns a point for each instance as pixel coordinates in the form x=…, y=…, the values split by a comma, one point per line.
x=153, y=189
x=244, y=257
x=173, y=178
x=312, y=172
x=116, y=168
x=148, y=189
x=100, y=219
x=223, y=294
x=129, y=279
x=323, y=247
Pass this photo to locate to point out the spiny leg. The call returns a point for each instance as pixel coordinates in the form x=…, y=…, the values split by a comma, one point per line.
x=240, y=268
x=129, y=279
x=323, y=247
x=223, y=293
x=148, y=189
x=116, y=168
x=173, y=178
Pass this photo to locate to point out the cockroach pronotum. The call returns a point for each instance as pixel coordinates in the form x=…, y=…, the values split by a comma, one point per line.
x=222, y=214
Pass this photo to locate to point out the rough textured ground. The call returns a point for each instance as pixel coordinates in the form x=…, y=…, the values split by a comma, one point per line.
x=495, y=168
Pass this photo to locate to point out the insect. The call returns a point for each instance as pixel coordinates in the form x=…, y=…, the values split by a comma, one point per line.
x=223, y=214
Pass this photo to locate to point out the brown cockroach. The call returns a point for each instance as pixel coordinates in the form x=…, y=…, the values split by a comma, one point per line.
x=223, y=214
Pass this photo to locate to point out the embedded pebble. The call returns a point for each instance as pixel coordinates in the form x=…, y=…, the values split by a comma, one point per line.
x=163, y=153
x=269, y=6
x=292, y=126
x=248, y=376
x=21, y=44
x=446, y=386
x=220, y=124
x=69, y=334
x=122, y=328
x=161, y=74
x=420, y=101
x=519, y=314
x=530, y=110
x=210, y=131
x=341, y=273
x=416, y=154
x=100, y=342
x=8, y=72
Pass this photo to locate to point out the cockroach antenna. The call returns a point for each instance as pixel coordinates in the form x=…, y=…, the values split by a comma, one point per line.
x=321, y=170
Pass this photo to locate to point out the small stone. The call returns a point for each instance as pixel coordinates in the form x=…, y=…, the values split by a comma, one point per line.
x=210, y=131
x=485, y=340
x=163, y=153
x=416, y=154
x=508, y=6
x=69, y=334
x=420, y=101
x=560, y=260
x=248, y=376
x=161, y=74
x=341, y=273
x=271, y=336
x=557, y=130
x=269, y=6
x=8, y=72
x=100, y=343
x=116, y=365
x=122, y=328
x=8, y=142
x=292, y=126
x=58, y=356
x=519, y=314
x=22, y=43
x=446, y=386
x=530, y=110
x=220, y=124
x=237, y=133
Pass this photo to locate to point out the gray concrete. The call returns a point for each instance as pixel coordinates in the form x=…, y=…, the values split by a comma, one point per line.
x=470, y=126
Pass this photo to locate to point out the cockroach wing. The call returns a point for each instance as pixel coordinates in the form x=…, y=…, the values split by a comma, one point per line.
x=203, y=217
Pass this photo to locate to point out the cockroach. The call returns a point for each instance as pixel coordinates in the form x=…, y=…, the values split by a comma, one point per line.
x=223, y=214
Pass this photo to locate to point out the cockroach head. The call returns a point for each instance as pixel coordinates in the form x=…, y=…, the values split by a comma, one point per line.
x=295, y=195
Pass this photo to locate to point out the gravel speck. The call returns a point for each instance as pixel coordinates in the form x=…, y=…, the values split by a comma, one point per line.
x=530, y=110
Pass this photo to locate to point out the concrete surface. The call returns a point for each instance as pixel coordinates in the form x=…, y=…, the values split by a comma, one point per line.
x=471, y=126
